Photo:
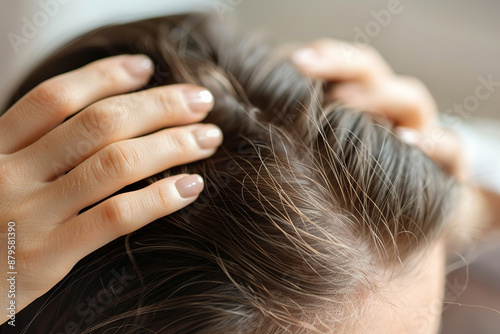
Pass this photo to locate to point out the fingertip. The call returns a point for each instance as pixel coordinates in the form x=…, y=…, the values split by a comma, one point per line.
x=198, y=99
x=305, y=57
x=408, y=136
x=138, y=66
x=208, y=136
x=190, y=186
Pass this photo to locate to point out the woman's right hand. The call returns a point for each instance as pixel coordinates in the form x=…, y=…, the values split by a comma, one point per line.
x=364, y=80
x=51, y=169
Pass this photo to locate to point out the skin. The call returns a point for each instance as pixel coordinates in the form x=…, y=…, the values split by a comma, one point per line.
x=44, y=183
x=410, y=302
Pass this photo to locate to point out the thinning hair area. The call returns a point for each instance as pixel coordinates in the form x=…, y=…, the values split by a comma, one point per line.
x=304, y=203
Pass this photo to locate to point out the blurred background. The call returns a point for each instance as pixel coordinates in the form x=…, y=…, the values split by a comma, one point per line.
x=447, y=44
x=451, y=45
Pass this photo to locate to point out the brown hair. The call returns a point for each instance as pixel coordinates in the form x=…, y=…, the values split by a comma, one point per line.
x=303, y=199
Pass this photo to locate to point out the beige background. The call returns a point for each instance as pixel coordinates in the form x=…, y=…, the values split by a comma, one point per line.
x=447, y=43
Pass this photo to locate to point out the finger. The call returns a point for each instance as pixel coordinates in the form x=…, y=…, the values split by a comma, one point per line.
x=338, y=61
x=126, y=162
x=442, y=145
x=48, y=104
x=115, y=119
x=446, y=148
x=404, y=101
x=122, y=214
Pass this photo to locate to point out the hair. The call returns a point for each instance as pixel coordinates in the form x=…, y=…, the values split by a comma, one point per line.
x=303, y=201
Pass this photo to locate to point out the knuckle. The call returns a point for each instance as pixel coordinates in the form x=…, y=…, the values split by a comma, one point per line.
x=116, y=213
x=415, y=84
x=418, y=95
x=102, y=119
x=373, y=60
x=168, y=102
x=162, y=196
x=30, y=252
x=118, y=161
x=181, y=143
x=55, y=96
x=110, y=75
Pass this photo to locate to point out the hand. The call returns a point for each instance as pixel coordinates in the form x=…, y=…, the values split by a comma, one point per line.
x=363, y=80
x=50, y=171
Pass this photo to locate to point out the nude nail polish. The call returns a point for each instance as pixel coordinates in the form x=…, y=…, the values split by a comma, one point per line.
x=208, y=136
x=189, y=186
x=198, y=100
x=139, y=65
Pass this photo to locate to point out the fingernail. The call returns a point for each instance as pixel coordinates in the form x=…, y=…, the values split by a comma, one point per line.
x=198, y=99
x=408, y=135
x=305, y=56
x=208, y=136
x=139, y=66
x=189, y=186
